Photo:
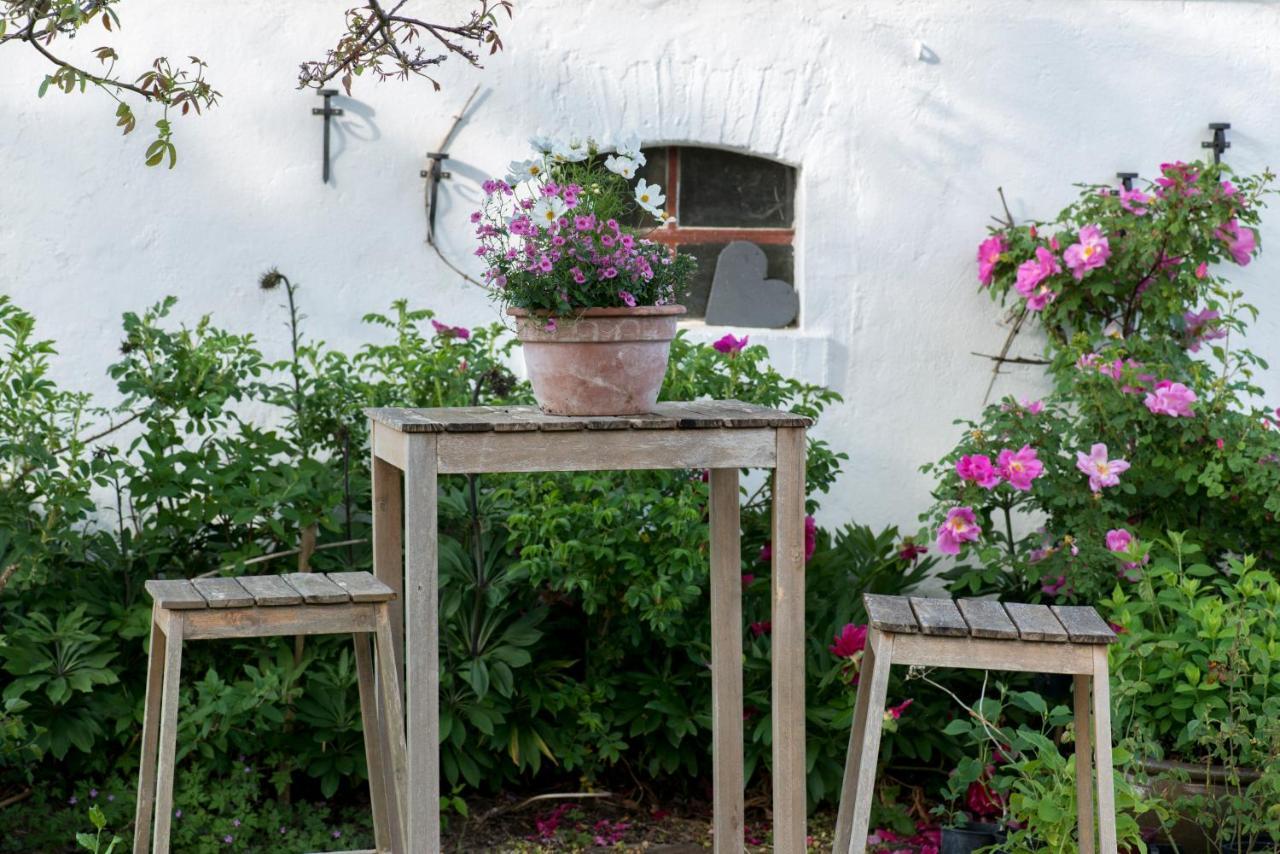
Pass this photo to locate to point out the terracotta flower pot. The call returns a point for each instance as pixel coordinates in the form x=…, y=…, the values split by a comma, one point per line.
x=1201, y=781
x=600, y=361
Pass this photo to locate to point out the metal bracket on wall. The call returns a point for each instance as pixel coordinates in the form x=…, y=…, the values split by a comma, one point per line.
x=1126, y=179
x=328, y=113
x=434, y=175
x=1219, y=142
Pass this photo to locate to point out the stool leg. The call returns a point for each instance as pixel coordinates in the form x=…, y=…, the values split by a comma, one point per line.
x=864, y=783
x=1102, y=751
x=374, y=737
x=397, y=762
x=844, y=819
x=1084, y=762
x=150, y=738
x=168, y=730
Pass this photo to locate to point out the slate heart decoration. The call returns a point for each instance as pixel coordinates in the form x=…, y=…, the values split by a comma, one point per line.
x=742, y=296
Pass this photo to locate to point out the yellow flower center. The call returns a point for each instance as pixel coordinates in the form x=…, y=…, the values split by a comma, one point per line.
x=1086, y=252
x=644, y=198
x=1103, y=468
x=1015, y=466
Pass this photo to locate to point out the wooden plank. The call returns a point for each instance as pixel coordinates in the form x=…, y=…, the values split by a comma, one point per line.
x=223, y=592
x=405, y=420
x=884, y=650
x=1083, y=624
x=362, y=586
x=890, y=613
x=374, y=735
x=388, y=542
x=985, y=654
x=727, y=779
x=697, y=414
x=1084, y=764
x=987, y=618
x=1036, y=622
x=517, y=418
x=392, y=721
x=282, y=620
x=788, y=645
x=270, y=590
x=608, y=450
x=653, y=421
x=1104, y=771
x=939, y=617
x=176, y=594
x=316, y=589
x=168, y=734
x=145, y=806
x=854, y=758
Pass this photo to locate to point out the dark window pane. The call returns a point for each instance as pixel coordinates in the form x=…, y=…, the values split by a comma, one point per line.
x=722, y=189
x=655, y=172
x=781, y=260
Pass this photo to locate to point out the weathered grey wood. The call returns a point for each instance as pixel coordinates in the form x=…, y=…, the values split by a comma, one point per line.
x=316, y=589
x=987, y=618
x=395, y=751
x=726, y=662
x=422, y=633
x=1083, y=624
x=890, y=613
x=168, y=735
x=281, y=620
x=939, y=617
x=1035, y=622
x=1102, y=751
x=854, y=758
x=983, y=654
x=388, y=445
x=669, y=415
x=270, y=590
x=788, y=647
x=865, y=781
x=533, y=418
x=1084, y=763
x=362, y=586
x=222, y=592
x=145, y=806
x=374, y=734
x=388, y=542
x=176, y=594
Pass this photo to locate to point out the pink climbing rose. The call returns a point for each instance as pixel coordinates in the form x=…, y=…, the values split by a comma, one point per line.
x=978, y=469
x=989, y=252
x=1101, y=471
x=1202, y=326
x=1032, y=272
x=1118, y=540
x=1134, y=201
x=960, y=526
x=851, y=641
x=1020, y=467
x=731, y=346
x=1170, y=398
x=444, y=330
x=1240, y=241
x=1091, y=252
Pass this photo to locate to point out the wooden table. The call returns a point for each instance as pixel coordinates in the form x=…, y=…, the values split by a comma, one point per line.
x=418, y=445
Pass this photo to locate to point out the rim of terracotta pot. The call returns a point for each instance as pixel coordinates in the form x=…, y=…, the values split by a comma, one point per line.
x=1197, y=773
x=622, y=311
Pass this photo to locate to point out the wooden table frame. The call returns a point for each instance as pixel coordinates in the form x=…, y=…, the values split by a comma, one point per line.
x=412, y=448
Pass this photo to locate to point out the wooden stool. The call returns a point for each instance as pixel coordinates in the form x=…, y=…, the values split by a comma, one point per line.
x=300, y=603
x=984, y=635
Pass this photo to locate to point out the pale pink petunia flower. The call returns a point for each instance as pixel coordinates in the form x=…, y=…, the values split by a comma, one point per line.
x=1091, y=252
x=960, y=526
x=1170, y=398
x=1101, y=471
x=1020, y=467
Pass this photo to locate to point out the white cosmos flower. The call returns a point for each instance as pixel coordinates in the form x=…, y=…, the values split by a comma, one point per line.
x=571, y=151
x=624, y=166
x=650, y=197
x=547, y=210
x=630, y=149
x=542, y=144
x=524, y=170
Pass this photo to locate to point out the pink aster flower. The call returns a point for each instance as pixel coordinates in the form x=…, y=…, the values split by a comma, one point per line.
x=960, y=526
x=1091, y=252
x=1170, y=398
x=978, y=469
x=849, y=642
x=1101, y=471
x=1134, y=201
x=1020, y=467
x=731, y=346
x=1241, y=241
x=989, y=252
x=1034, y=271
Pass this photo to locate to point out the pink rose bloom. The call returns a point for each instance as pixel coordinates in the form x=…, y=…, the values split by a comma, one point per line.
x=989, y=252
x=1101, y=471
x=1134, y=201
x=1053, y=587
x=1088, y=360
x=851, y=641
x=1201, y=327
x=762, y=628
x=1031, y=273
x=444, y=330
x=1118, y=540
x=730, y=345
x=1170, y=398
x=1091, y=252
x=1020, y=467
x=1241, y=241
x=960, y=526
x=810, y=536
x=748, y=579
x=1033, y=407
x=978, y=469
x=895, y=712
x=910, y=551
x=1202, y=270
x=1042, y=297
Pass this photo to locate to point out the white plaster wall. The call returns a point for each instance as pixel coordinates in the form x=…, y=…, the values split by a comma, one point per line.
x=899, y=160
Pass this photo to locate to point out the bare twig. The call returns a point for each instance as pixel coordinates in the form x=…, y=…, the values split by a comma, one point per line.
x=1011, y=360
x=4, y=581
x=14, y=799
x=1004, y=353
x=553, y=796
x=273, y=555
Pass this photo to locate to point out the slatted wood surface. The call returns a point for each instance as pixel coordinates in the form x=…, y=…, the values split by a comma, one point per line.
x=313, y=588
x=692, y=415
x=981, y=618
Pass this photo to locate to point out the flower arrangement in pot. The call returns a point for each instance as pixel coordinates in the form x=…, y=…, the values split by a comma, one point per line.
x=595, y=299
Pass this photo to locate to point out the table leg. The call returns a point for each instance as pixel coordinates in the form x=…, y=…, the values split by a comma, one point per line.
x=1102, y=752
x=853, y=777
x=388, y=542
x=726, y=661
x=788, y=644
x=1084, y=762
x=422, y=633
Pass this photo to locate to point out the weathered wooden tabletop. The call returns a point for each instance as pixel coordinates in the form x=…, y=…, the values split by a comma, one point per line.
x=690, y=415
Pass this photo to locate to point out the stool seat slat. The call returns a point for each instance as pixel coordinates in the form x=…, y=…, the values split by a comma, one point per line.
x=316, y=589
x=1083, y=624
x=987, y=619
x=270, y=590
x=939, y=617
x=362, y=586
x=222, y=592
x=1036, y=622
x=175, y=594
x=890, y=613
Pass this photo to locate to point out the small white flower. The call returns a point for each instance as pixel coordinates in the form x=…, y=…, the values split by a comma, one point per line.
x=630, y=149
x=525, y=170
x=572, y=151
x=650, y=197
x=542, y=144
x=624, y=166
x=548, y=210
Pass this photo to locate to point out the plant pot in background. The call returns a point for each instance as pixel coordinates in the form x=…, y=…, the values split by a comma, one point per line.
x=971, y=837
x=600, y=361
x=1190, y=837
x=1258, y=845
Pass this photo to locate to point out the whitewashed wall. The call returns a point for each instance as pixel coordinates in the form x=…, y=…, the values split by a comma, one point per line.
x=899, y=160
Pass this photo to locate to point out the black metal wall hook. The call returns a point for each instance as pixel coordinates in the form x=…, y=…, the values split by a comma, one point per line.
x=328, y=112
x=434, y=175
x=1219, y=143
x=1126, y=179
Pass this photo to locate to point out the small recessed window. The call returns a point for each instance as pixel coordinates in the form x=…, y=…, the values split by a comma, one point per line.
x=721, y=200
